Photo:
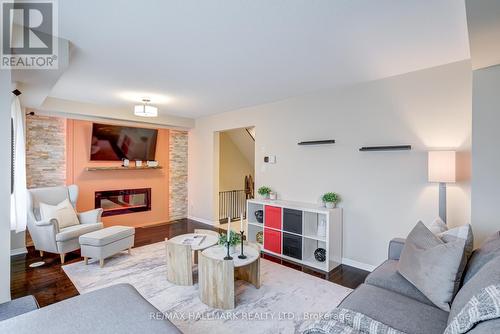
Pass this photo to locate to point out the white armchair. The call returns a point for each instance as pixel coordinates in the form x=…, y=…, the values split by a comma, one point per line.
x=46, y=234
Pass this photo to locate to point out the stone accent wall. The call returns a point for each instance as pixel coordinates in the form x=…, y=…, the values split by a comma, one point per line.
x=45, y=151
x=178, y=172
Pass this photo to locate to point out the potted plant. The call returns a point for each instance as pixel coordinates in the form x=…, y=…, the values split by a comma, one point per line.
x=331, y=199
x=234, y=239
x=264, y=191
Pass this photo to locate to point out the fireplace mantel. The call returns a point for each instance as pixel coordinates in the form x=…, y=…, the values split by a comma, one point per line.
x=94, y=169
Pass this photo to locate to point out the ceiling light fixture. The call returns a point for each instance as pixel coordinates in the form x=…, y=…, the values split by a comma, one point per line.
x=145, y=110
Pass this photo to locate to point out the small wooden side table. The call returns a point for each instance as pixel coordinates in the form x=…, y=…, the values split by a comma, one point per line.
x=180, y=256
x=216, y=276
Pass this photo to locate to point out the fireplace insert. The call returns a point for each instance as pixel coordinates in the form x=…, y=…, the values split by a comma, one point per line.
x=119, y=202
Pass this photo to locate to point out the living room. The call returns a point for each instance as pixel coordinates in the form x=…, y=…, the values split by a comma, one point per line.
x=269, y=167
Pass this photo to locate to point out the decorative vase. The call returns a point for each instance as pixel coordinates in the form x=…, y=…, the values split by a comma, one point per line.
x=259, y=237
x=259, y=215
x=273, y=196
x=321, y=228
x=320, y=254
x=330, y=205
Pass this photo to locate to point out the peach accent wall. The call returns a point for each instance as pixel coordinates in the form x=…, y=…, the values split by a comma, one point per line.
x=78, y=159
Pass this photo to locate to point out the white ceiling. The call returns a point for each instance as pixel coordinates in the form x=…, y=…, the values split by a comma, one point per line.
x=483, y=18
x=196, y=58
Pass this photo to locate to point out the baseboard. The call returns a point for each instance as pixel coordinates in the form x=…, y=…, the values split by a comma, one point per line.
x=201, y=220
x=18, y=251
x=359, y=265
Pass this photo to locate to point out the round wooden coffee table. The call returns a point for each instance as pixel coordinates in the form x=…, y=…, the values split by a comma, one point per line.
x=216, y=276
x=208, y=241
x=180, y=255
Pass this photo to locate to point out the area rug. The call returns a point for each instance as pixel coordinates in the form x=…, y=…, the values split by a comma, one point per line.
x=287, y=302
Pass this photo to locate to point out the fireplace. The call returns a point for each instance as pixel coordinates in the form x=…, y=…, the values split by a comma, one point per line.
x=119, y=202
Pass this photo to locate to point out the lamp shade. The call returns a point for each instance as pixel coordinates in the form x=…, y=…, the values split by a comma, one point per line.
x=442, y=166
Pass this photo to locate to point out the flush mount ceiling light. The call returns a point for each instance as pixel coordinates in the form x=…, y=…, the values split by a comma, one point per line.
x=145, y=110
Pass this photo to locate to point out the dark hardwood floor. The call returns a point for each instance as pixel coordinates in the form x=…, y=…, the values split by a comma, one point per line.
x=49, y=284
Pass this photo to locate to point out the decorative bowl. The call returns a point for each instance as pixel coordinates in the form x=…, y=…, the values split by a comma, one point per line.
x=320, y=254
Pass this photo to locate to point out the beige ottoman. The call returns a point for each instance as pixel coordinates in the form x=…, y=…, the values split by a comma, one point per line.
x=106, y=242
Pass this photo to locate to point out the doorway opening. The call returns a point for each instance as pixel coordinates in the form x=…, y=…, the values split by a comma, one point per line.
x=236, y=172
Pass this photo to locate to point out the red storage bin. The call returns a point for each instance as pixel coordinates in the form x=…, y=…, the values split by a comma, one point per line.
x=272, y=240
x=272, y=217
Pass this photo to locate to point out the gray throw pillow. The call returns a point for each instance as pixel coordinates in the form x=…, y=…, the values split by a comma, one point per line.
x=432, y=264
x=489, y=274
x=481, y=307
x=462, y=232
x=489, y=250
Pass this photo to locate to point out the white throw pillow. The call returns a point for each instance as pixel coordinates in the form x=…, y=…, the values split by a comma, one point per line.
x=63, y=212
x=437, y=226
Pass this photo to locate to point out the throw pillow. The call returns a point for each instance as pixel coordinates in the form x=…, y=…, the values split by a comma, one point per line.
x=489, y=250
x=63, y=212
x=483, y=306
x=344, y=321
x=437, y=226
x=431, y=264
x=488, y=275
x=465, y=233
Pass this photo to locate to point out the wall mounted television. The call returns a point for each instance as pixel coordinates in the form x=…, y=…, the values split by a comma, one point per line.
x=115, y=143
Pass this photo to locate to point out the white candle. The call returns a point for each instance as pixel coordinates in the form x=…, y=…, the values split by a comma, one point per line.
x=241, y=222
x=228, y=225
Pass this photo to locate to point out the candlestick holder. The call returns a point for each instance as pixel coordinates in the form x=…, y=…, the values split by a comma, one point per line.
x=242, y=256
x=228, y=256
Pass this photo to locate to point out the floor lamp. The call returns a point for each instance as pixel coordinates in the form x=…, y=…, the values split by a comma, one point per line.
x=442, y=169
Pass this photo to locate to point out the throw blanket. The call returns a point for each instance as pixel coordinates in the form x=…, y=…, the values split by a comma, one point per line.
x=481, y=307
x=343, y=321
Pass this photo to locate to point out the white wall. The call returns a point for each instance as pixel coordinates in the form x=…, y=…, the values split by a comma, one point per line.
x=243, y=140
x=5, y=100
x=18, y=243
x=233, y=165
x=384, y=193
x=486, y=152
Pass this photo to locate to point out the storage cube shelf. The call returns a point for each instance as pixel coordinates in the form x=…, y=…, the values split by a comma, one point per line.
x=311, y=222
x=251, y=209
x=253, y=230
x=290, y=230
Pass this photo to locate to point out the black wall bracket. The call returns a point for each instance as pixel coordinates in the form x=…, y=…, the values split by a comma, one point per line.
x=317, y=142
x=386, y=148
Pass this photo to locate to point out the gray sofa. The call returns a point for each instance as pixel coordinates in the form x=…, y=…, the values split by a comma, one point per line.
x=388, y=297
x=116, y=309
x=17, y=307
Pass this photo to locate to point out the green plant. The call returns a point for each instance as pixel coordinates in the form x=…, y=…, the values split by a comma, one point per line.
x=331, y=198
x=234, y=239
x=264, y=191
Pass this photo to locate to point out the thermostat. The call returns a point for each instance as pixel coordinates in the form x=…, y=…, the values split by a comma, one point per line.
x=271, y=159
